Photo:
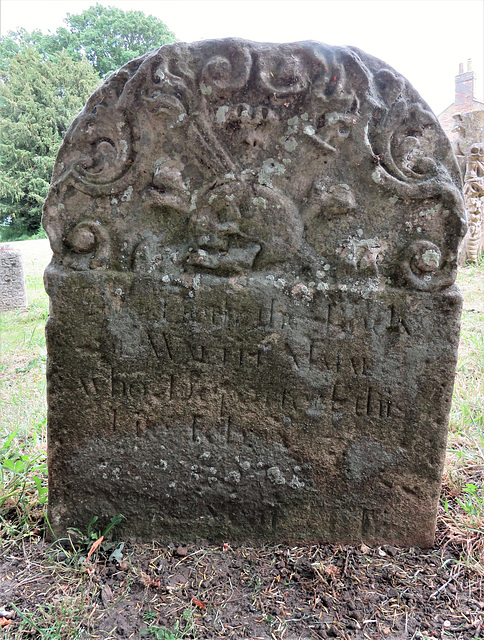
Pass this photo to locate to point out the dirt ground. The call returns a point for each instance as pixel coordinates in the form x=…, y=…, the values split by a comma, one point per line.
x=191, y=591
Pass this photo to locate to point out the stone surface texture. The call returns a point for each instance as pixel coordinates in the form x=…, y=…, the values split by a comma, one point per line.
x=469, y=149
x=254, y=326
x=13, y=294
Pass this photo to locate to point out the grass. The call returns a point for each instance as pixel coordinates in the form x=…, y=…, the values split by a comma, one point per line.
x=463, y=495
x=23, y=473
x=183, y=628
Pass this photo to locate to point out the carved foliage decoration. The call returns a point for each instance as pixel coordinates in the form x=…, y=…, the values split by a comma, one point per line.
x=239, y=156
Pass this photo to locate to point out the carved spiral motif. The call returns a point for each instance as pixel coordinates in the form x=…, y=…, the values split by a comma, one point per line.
x=424, y=269
x=82, y=238
x=89, y=246
x=166, y=90
x=227, y=72
x=284, y=74
x=389, y=84
x=401, y=133
x=290, y=132
x=106, y=148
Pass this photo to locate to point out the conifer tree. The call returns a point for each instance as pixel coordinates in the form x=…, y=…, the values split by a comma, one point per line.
x=45, y=79
x=38, y=100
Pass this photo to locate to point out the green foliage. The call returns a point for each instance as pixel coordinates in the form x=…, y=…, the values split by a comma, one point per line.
x=183, y=628
x=87, y=542
x=107, y=37
x=110, y=37
x=21, y=474
x=45, y=79
x=48, y=622
x=16, y=42
x=38, y=100
x=472, y=502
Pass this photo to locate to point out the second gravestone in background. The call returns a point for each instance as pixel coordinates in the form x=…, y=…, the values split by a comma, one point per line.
x=253, y=325
x=13, y=294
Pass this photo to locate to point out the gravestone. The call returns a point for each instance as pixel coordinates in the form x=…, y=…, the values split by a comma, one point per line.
x=253, y=327
x=13, y=294
x=469, y=149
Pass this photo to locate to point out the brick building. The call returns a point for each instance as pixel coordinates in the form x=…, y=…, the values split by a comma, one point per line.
x=464, y=100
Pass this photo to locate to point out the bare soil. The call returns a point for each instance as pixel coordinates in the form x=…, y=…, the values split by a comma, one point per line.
x=230, y=591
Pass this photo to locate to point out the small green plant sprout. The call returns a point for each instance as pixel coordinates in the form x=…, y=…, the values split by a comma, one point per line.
x=160, y=633
x=472, y=503
x=183, y=628
x=22, y=475
x=154, y=630
x=97, y=540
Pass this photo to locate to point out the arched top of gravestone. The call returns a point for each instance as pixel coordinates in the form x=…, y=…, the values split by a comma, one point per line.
x=228, y=158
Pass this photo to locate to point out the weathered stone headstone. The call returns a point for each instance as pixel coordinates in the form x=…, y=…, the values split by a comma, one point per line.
x=253, y=326
x=469, y=149
x=13, y=294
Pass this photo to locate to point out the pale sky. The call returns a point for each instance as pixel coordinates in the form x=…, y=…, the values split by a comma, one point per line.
x=424, y=40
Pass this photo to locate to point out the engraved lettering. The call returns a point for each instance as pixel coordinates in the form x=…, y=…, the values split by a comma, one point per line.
x=140, y=424
x=137, y=389
x=118, y=386
x=339, y=396
x=398, y=322
x=92, y=386
x=197, y=352
x=160, y=348
x=359, y=365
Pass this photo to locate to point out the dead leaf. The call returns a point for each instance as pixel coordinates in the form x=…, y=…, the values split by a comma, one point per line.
x=326, y=570
x=198, y=603
x=147, y=581
x=106, y=595
x=4, y=622
x=95, y=545
x=331, y=570
x=364, y=548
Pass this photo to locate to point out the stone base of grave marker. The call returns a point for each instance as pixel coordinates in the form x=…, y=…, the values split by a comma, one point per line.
x=254, y=322
x=13, y=294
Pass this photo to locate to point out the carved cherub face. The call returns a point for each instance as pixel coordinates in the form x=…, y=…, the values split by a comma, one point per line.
x=240, y=225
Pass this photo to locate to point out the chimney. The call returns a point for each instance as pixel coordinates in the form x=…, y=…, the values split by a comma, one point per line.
x=464, y=84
